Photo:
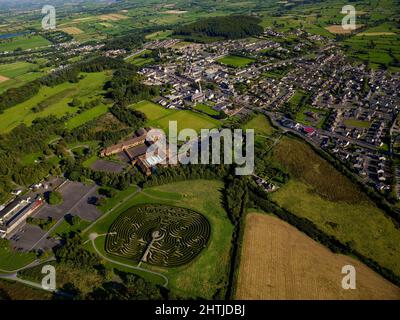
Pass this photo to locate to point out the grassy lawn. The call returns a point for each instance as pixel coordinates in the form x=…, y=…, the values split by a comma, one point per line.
x=301, y=117
x=89, y=162
x=159, y=117
x=235, y=61
x=86, y=116
x=139, y=59
x=11, y=260
x=206, y=109
x=159, y=35
x=261, y=125
x=24, y=43
x=56, y=99
x=151, y=110
x=321, y=194
x=188, y=119
x=357, y=123
x=15, y=69
x=30, y=158
x=65, y=228
x=206, y=273
x=18, y=73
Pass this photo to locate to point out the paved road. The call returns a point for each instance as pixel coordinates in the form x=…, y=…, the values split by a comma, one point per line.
x=273, y=117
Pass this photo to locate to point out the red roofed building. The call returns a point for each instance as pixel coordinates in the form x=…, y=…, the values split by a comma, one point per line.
x=309, y=131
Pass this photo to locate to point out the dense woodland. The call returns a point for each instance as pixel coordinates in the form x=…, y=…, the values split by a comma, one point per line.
x=229, y=27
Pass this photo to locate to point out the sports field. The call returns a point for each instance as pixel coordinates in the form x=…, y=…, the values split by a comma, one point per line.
x=207, y=272
x=56, y=99
x=321, y=194
x=235, y=61
x=160, y=117
x=279, y=262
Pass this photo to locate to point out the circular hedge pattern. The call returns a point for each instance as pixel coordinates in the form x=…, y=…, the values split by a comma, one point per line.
x=158, y=235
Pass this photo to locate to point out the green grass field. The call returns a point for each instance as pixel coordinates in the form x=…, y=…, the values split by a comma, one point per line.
x=56, y=99
x=65, y=228
x=24, y=43
x=206, y=109
x=261, y=125
x=18, y=73
x=11, y=260
x=30, y=158
x=357, y=123
x=139, y=59
x=188, y=120
x=160, y=117
x=86, y=116
x=206, y=273
x=321, y=194
x=235, y=61
x=159, y=35
x=151, y=110
x=15, y=69
x=301, y=117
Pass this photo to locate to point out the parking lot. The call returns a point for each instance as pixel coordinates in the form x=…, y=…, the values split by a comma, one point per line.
x=76, y=201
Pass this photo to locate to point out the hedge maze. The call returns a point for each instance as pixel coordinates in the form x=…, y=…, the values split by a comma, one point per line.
x=159, y=235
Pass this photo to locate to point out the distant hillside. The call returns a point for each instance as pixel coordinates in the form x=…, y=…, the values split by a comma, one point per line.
x=229, y=27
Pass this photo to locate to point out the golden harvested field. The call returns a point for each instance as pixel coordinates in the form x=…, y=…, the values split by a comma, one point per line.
x=279, y=262
x=338, y=29
x=174, y=12
x=374, y=34
x=72, y=30
x=3, y=79
x=113, y=17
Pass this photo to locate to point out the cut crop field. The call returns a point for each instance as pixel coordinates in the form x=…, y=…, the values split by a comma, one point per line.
x=160, y=117
x=319, y=193
x=279, y=262
x=56, y=99
x=72, y=30
x=207, y=272
x=235, y=61
x=338, y=29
